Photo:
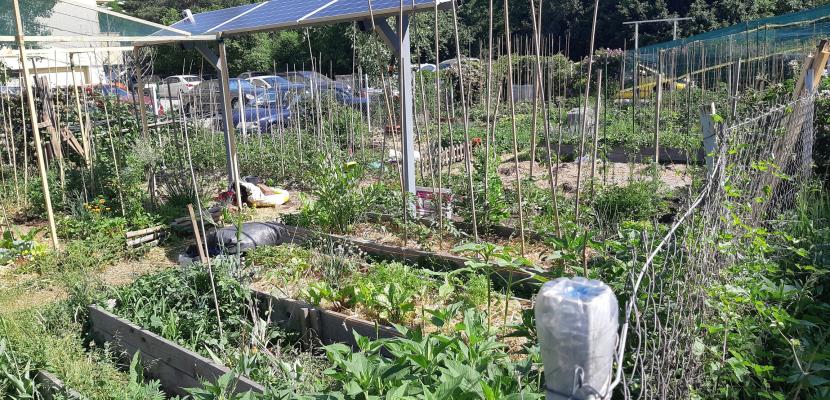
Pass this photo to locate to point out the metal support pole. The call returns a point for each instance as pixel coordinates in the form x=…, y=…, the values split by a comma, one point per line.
x=41, y=163
x=219, y=62
x=400, y=44
x=227, y=115
x=635, y=94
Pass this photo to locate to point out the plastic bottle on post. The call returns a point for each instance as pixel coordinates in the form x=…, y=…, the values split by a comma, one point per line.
x=577, y=324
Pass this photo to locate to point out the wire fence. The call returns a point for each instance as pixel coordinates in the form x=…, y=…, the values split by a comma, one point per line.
x=758, y=167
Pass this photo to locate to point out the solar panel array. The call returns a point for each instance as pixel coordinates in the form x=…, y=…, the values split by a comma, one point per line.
x=277, y=14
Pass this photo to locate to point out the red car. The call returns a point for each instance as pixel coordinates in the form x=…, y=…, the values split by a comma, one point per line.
x=123, y=95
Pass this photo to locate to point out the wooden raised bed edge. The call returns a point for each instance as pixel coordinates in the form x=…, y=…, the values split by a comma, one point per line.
x=316, y=323
x=501, y=231
x=178, y=368
x=303, y=235
x=50, y=387
x=174, y=366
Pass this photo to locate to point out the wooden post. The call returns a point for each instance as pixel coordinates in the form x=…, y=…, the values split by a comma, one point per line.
x=710, y=140
x=140, y=89
x=84, y=136
x=596, y=131
x=736, y=89
x=197, y=234
x=35, y=126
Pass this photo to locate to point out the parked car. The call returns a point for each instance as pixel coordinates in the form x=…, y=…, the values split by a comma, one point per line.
x=123, y=95
x=253, y=74
x=13, y=91
x=314, y=80
x=454, y=61
x=263, y=112
x=206, y=97
x=317, y=82
x=425, y=67
x=276, y=82
x=173, y=85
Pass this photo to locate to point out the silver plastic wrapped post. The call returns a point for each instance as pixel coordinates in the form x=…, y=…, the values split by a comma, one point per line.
x=577, y=323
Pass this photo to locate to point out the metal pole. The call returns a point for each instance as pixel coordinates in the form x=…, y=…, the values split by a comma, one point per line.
x=227, y=114
x=657, y=104
x=407, y=117
x=35, y=125
x=635, y=94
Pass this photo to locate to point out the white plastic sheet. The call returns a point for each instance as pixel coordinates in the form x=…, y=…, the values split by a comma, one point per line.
x=577, y=323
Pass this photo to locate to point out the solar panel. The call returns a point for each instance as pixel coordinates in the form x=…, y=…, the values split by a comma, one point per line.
x=344, y=9
x=274, y=14
x=207, y=20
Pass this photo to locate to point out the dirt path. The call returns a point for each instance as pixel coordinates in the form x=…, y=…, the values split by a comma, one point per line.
x=673, y=176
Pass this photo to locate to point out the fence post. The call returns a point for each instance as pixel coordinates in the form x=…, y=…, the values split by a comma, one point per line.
x=707, y=129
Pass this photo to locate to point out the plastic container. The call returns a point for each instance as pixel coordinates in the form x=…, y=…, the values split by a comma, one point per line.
x=577, y=323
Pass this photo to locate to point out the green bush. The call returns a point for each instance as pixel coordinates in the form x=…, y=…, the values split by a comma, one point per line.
x=635, y=201
x=339, y=199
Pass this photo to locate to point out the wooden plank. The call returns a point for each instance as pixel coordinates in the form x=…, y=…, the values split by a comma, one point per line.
x=176, y=367
x=144, y=232
x=328, y=326
x=51, y=387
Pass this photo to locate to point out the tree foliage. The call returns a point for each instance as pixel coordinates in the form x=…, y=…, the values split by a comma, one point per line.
x=566, y=24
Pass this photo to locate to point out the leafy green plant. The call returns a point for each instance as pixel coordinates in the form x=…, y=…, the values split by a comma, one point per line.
x=467, y=364
x=339, y=298
x=16, y=379
x=635, y=201
x=24, y=247
x=339, y=199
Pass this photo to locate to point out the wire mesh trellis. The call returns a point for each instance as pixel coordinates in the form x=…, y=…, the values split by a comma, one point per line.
x=761, y=162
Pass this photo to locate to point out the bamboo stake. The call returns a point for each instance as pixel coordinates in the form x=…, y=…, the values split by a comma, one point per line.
x=84, y=136
x=468, y=148
x=202, y=256
x=545, y=114
x=585, y=112
x=35, y=126
x=513, y=123
x=487, y=130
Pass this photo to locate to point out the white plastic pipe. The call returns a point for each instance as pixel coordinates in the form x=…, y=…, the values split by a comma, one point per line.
x=577, y=323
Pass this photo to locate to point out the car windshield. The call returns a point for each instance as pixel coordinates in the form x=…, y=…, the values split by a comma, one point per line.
x=272, y=99
x=276, y=81
x=316, y=76
x=192, y=79
x=235, y=84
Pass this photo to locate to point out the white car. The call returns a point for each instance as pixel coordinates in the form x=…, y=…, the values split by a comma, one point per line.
x=173, y=85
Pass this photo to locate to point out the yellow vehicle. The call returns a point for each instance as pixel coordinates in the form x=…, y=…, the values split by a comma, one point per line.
x=648, y=88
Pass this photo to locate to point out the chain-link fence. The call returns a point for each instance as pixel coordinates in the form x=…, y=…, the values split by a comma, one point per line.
x=758, y=165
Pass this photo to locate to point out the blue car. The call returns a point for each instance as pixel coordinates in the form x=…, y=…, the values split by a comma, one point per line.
x=277, y=83
x=263, y=112
x=318, y=82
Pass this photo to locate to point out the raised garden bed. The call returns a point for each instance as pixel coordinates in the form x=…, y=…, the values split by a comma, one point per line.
x=366, y=296
x=51, y=387
x=524, y=276
x=176, y=367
